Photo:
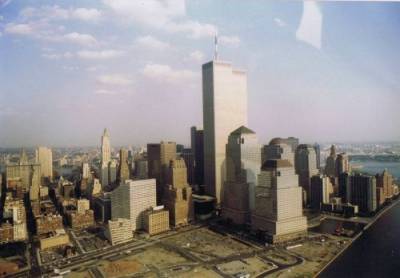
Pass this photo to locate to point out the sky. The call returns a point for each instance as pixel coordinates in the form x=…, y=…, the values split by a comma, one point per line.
x=320, y=71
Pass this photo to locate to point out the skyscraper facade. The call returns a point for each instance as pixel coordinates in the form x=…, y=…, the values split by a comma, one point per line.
x=105, y=147
x=243, y=163
x=188, y=156
x=224, y=109
x=330, y=166
x=177, y=195
x=123, y=169
x=321, y=191
x=342, y=164
x=317, y=149
x=131, y=199
x=105, y=158
x=306, y=166
x=44, y=157
x=158, y=160
x=385, y=181
x=363, y=192
x=278, y=204
x=197, y=146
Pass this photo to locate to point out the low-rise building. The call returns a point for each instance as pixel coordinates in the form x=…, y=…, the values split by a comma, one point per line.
x=80, y=220
x=54, y=239
x=156, y=220
x=119, y=230
x=48, y=223
x=6, y=233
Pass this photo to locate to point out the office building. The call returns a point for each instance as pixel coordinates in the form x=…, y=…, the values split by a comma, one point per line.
x=123, y=170
x=224, y=110
x=23, y=177
x=131, y=199
x=141, y=169
x=178, y=194
x=278, y=205
x=102, y=207
x=105, y=158
x=330, y=166
x=86, y=174
x=44, y=157
x=321, y=191
x=197, y=146
x=385, y=181
x=342, y=164
x=188, y=157
x=158, y=159
x=306, y=166
x=363, y=193
x=243, y=163
x=317, y=149
x=112, y=172
x=156, y=220
x=119, y=231
x=344, y=187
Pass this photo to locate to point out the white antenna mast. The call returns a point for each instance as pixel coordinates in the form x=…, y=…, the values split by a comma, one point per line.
x=216, y=46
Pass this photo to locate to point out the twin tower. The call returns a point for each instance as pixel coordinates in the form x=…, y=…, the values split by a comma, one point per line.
x=265, y=195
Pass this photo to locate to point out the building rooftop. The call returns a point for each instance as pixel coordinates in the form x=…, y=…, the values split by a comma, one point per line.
x=276, y=163
x=242, y=130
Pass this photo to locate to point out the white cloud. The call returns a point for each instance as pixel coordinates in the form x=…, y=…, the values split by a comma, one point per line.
x=20, y=29
x=310, y=26
x=194, y=29
x=196, y=56
x=1, y=18
x=151, y=42
x=153, y=13
x=114, y=80
x=165, y=73
x=55, y=56
x=229, y=40
x=82, y=39
x=92, y=15
x=165, y=15
x=102, y=54
x=105, y=92
x=53, y=13
x=279, y=22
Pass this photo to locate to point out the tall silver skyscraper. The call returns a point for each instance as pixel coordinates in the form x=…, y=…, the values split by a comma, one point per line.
x=105, y=157
x=105, y=147
x=224, y=110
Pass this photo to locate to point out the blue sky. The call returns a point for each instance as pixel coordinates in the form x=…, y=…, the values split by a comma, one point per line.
x=326, y=71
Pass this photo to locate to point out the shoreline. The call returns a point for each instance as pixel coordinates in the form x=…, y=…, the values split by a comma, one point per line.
x=352, y=240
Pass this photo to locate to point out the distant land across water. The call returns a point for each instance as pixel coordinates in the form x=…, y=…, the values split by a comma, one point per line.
x=373, y=166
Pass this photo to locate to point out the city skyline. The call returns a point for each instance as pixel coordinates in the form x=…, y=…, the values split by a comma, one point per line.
x=98, y=71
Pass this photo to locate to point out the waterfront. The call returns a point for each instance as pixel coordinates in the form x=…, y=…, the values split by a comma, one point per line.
x=375, y=253
x=372, y=167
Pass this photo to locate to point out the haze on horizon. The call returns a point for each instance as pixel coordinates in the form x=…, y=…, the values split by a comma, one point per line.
x=325, y=71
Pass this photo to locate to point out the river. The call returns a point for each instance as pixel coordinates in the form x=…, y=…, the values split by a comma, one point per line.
x=376, y=253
